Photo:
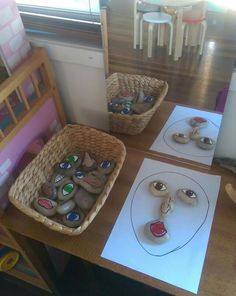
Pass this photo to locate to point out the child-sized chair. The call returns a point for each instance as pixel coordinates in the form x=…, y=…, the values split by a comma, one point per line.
x=159, y=19
x=139, y=9
x=194, y=16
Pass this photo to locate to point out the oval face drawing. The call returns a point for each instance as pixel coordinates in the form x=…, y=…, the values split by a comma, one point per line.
x=183, y=224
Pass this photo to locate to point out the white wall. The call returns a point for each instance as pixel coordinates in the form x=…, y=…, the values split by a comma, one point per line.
x=80, y=76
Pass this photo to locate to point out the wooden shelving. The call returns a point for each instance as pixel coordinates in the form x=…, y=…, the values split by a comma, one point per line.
x=24, y=269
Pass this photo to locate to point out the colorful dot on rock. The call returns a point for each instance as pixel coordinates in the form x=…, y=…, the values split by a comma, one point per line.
x=45, y=203
x=68, y=188
x=65, y=165
x=158, y=229
x=79, y=174
x=58, y=178
x=72, y=216
x=105, y=164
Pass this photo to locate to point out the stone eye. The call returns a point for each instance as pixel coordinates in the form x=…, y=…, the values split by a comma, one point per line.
x=159, y=186
x=190, y=193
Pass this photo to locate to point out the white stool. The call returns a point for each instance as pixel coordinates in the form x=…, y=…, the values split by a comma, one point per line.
x=139, y=9
x=155, y=18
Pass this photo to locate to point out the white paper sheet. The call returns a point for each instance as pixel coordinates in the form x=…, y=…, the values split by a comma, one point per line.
x=178, y=261
x=178, y=122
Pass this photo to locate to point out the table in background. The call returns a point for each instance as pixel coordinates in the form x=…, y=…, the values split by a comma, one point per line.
x=179, y=5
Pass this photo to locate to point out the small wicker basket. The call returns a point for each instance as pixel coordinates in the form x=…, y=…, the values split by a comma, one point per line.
x=135, y=123
x=71, y=139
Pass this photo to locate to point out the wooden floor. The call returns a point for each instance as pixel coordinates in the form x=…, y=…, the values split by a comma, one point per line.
x=193, y=80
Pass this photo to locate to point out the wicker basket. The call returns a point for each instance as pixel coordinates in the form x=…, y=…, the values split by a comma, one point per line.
x=71, y=139
x=134, y=124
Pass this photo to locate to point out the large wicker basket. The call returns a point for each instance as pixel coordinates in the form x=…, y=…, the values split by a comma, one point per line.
x=135, y=123
x=71, y=139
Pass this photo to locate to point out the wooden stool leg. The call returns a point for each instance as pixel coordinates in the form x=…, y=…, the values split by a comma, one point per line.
x=203, y=34
x=150, y=40
x=141, y=34
x=171, y=38
x=136, y=29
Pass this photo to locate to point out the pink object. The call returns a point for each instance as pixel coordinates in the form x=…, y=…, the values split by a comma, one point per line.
x=14, y=46
x=33, y=129
x=36, y=146
x=193, y=21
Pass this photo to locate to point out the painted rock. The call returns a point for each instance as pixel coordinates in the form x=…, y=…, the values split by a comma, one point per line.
x=158, y=188
x=198, y=122
x=64, y=168
x=140, y=97
x=66, y=207
x=126, y=110
x=49, y=190
x=149, y=99
x=188, y=196
x=78, y=175
x=75, y=160
x=84, y=199
x=58, y=179
x=45, y=206
x=73, y=218
x=156, y=231
x=99, y=175
x=115, y=107
x=118, y=100
x=92, y=182
x=141, y=108
x=194, y=134
x=106, y=166
x=67, y=190
x=89, y=163
x=181, y=138
x=167, y=207
x=206, y=143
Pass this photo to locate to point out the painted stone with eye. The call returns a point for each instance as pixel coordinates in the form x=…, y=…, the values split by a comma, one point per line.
x=158, y=188
x=78, y=175
x=67, y=191
x=206, y=143
x=75, y=160
x=106, y=166
x=188, y=196
x=156, y=231
x=58, y=179
x=181, y=138
x=73, y=218
x=64, y=168
x=198, y=122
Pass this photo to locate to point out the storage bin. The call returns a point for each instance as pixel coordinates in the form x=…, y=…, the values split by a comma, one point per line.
x=135, y=123
x=71, y=139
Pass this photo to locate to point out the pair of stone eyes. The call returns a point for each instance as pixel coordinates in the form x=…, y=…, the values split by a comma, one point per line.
x=162, y=187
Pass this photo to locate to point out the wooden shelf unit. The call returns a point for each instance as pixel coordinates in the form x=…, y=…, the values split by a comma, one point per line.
x=24, y=270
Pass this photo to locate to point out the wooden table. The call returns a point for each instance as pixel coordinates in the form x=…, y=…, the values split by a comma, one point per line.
x=218, y=277
x=179, y=5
